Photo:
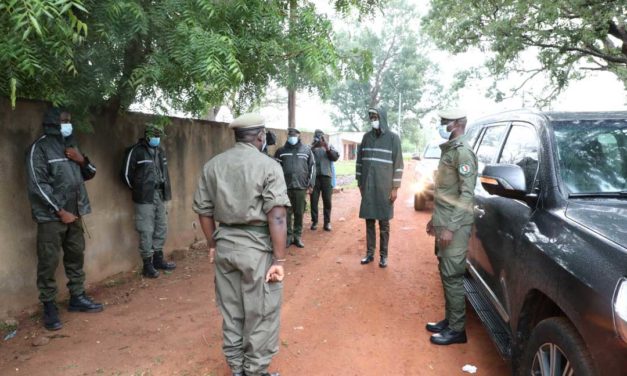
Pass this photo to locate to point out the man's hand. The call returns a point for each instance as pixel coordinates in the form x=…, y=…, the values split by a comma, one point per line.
x=74, y=155
x=309, y=190
x=275, y=274
x=430, y=228
x=66, y=217
x=212, y=255
x=445, y=238
x=393, y=195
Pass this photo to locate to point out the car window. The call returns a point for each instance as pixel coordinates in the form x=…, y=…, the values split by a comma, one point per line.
x=472, y=135
x=489, y=146
x=433, y=151
x=592, y=155
x=521, y=148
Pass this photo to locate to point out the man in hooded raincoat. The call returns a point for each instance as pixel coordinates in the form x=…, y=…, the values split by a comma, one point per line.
x=379, y=172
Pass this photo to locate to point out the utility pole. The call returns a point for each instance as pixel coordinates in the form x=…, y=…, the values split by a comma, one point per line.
x=400, y=96
x=291, y=91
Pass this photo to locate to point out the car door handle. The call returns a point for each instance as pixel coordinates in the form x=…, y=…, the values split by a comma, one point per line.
x=479, y=212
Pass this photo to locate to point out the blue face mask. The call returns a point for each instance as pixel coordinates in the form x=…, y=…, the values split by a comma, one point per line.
x=154, y=141
x=66, y=129
x=292, y=140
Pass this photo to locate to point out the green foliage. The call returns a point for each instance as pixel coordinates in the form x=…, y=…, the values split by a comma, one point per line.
x=185, y=55
x=38, y=42
x=380, y=65
x=572, y=36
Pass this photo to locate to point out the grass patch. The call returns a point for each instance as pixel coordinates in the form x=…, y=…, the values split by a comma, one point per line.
x=5, y=329
x=343, y=168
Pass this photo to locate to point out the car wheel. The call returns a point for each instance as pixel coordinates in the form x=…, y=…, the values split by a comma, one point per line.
x=556, y=349
x=419, y=202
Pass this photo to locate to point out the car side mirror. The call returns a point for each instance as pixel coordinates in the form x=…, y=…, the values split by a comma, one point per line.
x=504, y=180
x=416, y=157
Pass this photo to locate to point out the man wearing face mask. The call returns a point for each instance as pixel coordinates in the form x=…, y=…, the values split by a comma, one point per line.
x=245, y=192
x=298, y=165
x=145, y=172
x=57, y=172
x=325, y=155
x=451, y=223
x=379, y=173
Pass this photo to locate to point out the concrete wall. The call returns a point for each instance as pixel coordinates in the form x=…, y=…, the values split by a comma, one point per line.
x=111, y=239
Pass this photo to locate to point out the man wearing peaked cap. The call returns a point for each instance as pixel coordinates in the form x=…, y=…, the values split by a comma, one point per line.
x=325, y=155
x=298, y=164
x=451, y=223
x=245, y=192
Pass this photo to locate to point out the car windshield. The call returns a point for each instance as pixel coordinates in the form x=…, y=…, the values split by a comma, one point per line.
x=592, y=155
x=433, y=151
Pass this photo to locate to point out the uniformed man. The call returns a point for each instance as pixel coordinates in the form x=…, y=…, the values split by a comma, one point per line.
x=379, y=174
x=57, y=172
x=145, y=172
x=245, y=192
x=325, y=155
x=451, y=223
x=298, y=165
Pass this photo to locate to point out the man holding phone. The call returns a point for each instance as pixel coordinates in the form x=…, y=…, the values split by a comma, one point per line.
x=325, y=155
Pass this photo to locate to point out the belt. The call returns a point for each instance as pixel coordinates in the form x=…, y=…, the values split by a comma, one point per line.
x=265, y=230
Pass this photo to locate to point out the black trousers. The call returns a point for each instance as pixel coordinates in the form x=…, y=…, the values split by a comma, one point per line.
x=371, y=237
x=323, y=185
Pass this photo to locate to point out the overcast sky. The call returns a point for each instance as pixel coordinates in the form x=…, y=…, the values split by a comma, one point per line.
x=599, y=91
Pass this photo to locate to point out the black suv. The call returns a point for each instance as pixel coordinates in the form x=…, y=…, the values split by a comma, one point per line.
x=547, y=261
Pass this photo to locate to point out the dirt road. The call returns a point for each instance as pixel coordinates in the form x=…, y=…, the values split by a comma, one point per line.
x=339, y=317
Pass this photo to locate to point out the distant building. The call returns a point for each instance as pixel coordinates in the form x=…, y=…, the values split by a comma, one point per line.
x=346, y=144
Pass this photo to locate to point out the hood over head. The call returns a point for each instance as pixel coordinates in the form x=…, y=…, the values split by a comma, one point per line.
x=383, y=118
x=53, y=116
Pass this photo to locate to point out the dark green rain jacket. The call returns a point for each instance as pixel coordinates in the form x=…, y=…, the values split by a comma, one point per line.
x=379, y=169
x=54, y=181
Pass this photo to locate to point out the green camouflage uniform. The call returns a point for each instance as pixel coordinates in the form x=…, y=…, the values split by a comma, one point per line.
x=454, y=196
x=238, y=188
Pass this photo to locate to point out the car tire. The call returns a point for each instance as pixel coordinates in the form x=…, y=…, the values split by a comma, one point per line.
x=556, y=341
x=419, y=202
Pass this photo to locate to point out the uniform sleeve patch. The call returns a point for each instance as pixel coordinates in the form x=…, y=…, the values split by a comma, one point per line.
x=465, y=169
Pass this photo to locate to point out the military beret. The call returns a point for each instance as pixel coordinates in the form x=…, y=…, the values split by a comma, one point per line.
x=452, y=113
x=248, y=121
x=293, y=131
x=154, y=128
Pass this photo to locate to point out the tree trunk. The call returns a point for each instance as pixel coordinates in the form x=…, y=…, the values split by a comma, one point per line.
x=291, y=108
x=291, y=91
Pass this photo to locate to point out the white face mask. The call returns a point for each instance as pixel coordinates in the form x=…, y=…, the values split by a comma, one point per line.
x=66, y=129
x=375, y=124
x=443, y=132
x=292, y=140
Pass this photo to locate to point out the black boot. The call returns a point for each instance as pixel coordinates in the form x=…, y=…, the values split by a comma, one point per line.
x=149, y=269
x=83, y=303
x=448, y=337
x=299, y=243
x=159, y=262
x=437, y=327
x=383, y=263
x=51, y=316
x=367, y=260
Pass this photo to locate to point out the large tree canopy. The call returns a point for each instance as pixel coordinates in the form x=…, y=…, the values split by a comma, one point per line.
x=382, y=67
x=185, y=55
x=572, y=36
